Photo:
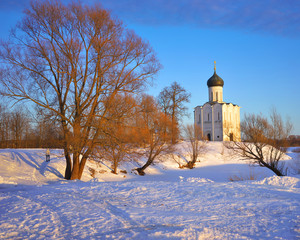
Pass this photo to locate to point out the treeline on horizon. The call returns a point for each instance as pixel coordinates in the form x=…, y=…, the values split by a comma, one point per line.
x=132, y=114
x=20, y=128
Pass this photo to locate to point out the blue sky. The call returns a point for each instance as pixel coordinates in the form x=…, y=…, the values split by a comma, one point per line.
x=256, y=45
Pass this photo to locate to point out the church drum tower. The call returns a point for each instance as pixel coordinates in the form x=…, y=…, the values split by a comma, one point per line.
x=219, y=121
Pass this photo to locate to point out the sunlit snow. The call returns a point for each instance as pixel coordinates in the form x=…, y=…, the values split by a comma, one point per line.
x=167, y=203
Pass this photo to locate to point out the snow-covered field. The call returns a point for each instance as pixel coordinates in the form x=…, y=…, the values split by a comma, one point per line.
x=167, y=203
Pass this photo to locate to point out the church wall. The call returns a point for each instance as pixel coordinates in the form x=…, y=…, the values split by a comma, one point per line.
x=231, y=123
x=197, y=115
x=218, y=121
x=218, y=125
x=209, y=118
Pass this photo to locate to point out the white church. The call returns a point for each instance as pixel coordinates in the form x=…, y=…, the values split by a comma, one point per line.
x=219, y=121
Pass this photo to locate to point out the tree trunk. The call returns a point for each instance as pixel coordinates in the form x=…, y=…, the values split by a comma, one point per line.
x=68, y=166
x=147, y=164
x=275, y=170
x=173, y=132
x=83, y=161
x=114, y=170
x=75, y=170
x=190, y=164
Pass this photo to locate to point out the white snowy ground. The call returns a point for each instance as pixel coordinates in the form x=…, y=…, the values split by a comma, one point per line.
x=167, y=203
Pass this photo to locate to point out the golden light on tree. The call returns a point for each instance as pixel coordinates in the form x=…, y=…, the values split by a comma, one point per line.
x=73, y=60
x=155, y=128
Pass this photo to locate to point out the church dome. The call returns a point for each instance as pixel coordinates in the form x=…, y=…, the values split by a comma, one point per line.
x=215, y=80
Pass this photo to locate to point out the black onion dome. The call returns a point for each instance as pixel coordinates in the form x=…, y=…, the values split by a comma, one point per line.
x=215, y=81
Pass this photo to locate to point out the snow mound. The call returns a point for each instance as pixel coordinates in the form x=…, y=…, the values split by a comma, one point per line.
x=290, y=182
x=195, y=179
x=196, y=233
x=5, y=181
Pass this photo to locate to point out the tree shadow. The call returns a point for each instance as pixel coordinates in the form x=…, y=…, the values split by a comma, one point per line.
x=41, y=166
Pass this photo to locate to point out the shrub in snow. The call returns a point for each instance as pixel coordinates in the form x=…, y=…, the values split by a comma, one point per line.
x=264, y=141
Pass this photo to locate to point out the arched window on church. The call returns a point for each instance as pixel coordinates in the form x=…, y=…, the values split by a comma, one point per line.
x=208, y=117
x=217, y=96
x=218, y=115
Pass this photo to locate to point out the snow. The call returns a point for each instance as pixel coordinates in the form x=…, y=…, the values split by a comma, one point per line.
x=167, y=203
x=289, y=182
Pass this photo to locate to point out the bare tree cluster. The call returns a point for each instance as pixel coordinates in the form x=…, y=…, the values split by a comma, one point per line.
x=83, y=69
x=155, y=131
x=15, y=128
x=172, y=101
x=117, y=141
x=142, y=130
x=73, y=60
x=264, y=141
x=20, y=129
x=47, y=129
x=5, y=129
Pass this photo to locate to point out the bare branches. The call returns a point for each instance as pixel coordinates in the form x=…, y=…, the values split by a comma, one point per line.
x=171, y=100
x=154, y=131
x=264, y=141
x=74, y=59
x=196, y=145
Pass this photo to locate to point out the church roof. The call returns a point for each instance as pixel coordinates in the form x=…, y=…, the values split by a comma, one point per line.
x=220, y=103
x=215, y=80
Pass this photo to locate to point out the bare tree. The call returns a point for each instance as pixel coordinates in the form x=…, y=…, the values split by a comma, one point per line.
x=196, y=145
x=171, y=100
x=116, y=144
x=15, y=127
x=4, y=126
x=117, y=147
x=48, y=132
x=154, y=131
x=19, y=126
x=264, y=141
x=73, y=60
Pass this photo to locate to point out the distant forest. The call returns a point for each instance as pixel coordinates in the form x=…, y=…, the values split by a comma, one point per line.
x=19, y=128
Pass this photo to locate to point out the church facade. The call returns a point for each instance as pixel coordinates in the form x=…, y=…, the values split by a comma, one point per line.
x=219, y=121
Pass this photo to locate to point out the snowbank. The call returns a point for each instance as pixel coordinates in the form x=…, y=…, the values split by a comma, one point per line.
x=218, y=164
x=289, y=182
x=197, y=180
x=167, y=203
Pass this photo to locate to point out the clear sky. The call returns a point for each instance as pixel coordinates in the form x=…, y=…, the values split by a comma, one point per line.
x=256, y=45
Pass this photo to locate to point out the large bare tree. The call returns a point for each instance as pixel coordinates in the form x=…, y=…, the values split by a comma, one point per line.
x=264, y=141
x=172, y=100
x=73, y=60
